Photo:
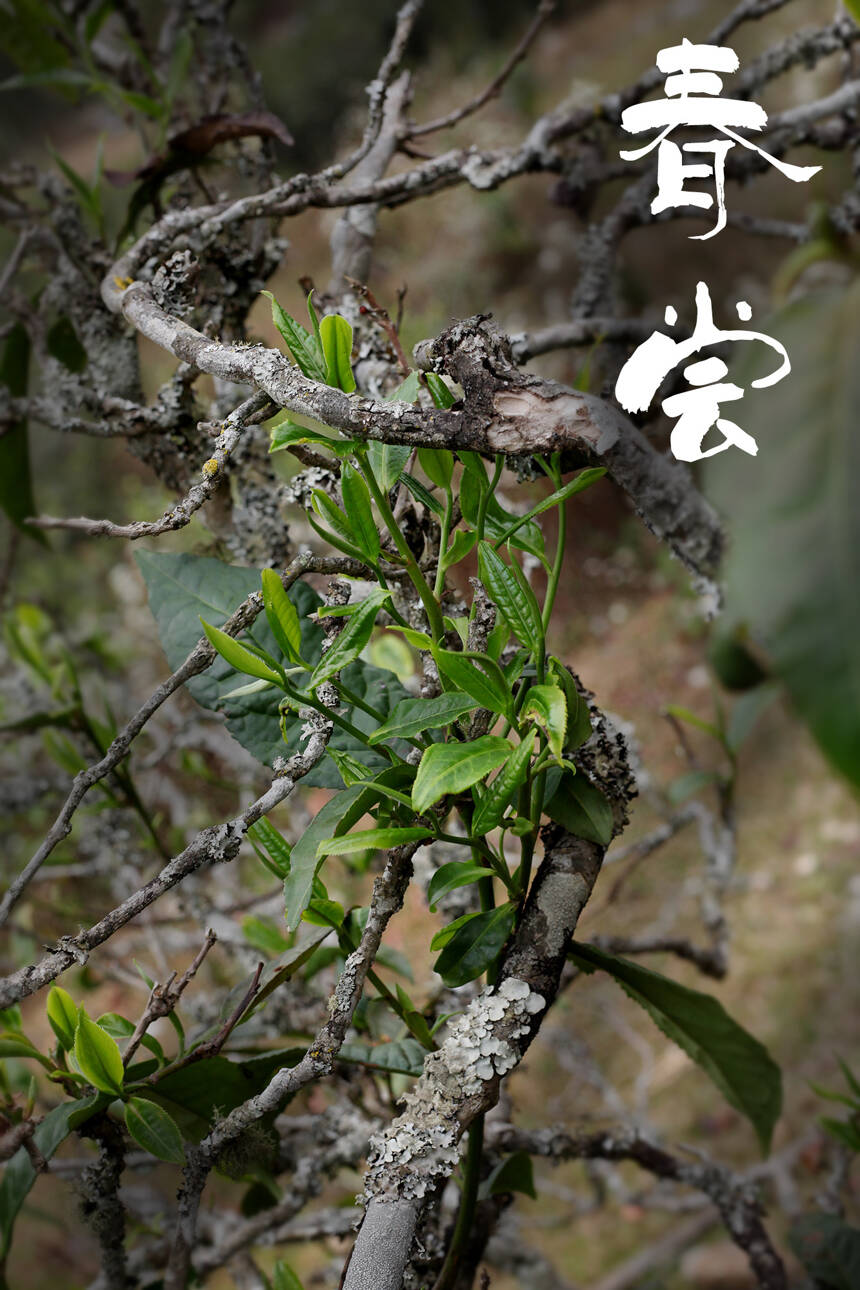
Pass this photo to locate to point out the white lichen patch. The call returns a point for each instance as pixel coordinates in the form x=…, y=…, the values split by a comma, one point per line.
x=421, y=1146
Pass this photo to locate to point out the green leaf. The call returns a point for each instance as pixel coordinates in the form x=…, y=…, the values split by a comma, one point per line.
x=746, y=711
x=304, y=349
x=460, y=546
x=184, y=587
x=154, y=1129
x=415, y=716
x=439, y=391
x=351, y=641
x=19, y=1174
x=438, y=465
x=238, y=655
x=483, y=681
x=402, y=1057
x=547, y=705
x=475, y=945
x=286, y=433
x=738, y=1064
x=336, y=340
x=371, y=840
x=501, y=792
x=514, y=1173
x=473, y=486
x=63, y=1015
x=448, y=877
x=213, y=1086
x=97, y=1055
x=387, y=460
x=281, y=615
x=265, y=835
x=689, y=783
x=418, y=640
x=63, y=344
x=333, y=515
x=583, y=480
x=284, y=1278
x=263, y=935
x=451, y=768
x=351, y=770
x=578, y=717
x=119, y=1027
x=338, y=816
x=407, y=391
x=393, y=654
x=791, y=571
x=507, y=588
x=579, y=807
x=16, y=487
x=827, y=1247
x=356, y=503
x=422, y=495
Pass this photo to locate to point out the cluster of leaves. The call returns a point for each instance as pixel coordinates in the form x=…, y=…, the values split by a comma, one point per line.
x=479, y=766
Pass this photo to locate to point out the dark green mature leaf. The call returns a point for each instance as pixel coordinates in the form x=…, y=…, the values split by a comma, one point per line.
x=475, y=945
x=514, y=1173
x=792, y=572
x=451, y=768
x=482, y=680
x=196, y=1093
x=439, y=391
x=829, y=1250
x=574, y=802
x=97, y=1055
x=448, y=877
x=402, y=1057
x=472, y=486
x=414, y=716
x=583, y=480
x=336, y=339
x=502, y=791
x=63, y=1015
x=184, y=587
x=438, y=465
x=509, y=591
x=422, y=494
x=19, y=1174
x=16, y=487
x=741, y=1067
x=154, y=1129
x=304, y=348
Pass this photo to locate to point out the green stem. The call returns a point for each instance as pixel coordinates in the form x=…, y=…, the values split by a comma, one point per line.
x=439, y=584
x=555, y=574
x=419, y=582
x=468, y=1201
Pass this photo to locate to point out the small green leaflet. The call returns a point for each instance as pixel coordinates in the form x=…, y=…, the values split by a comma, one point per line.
x=439, y=391
x=371, y=840
x=63, y=1015
x=407, y=391
x=438, y=465
x=403, y=1056
x=304, y=348
x=475, y=945
x=514, y=1173
x=414, y=716
x=336, y=339
x=350, y=769
x=356, y=503
x=451, y=768
x=154, y=1130
x=574, y=802
x=351, y=641
x=500, y=793
x=583, y=480
x=448, y=877
x=238, y=655
x=98, y=1056
x=578, y=717
x=387, y=460
x=461, y=544
x=281, y=615
x=284, y=1278
x=479, y=676
x=546, y=705
x=264, y=834
x=741, y=1067
x=507, y=588
x=422, y=494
